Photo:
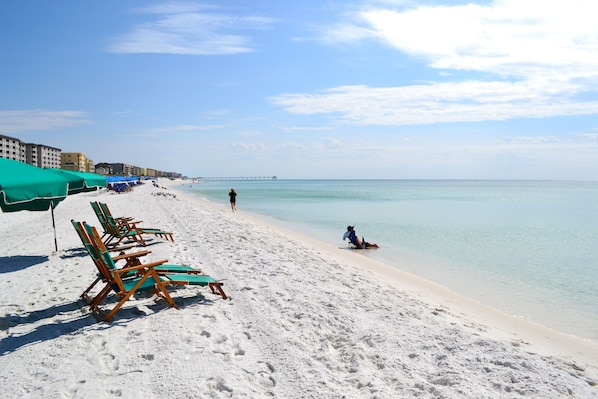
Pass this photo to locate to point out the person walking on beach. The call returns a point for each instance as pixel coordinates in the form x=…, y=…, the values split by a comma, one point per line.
x=360, y=244
x=233, y=199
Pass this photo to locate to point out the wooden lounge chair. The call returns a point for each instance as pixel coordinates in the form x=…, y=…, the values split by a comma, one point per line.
x=127, y=223
x=116, y=230
x=113, y=234
x=123, y=280
x=107, y=234
x=174, y=278
x=130, y=259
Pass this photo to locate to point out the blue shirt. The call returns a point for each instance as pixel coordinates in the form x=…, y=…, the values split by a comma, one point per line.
x=351, y=236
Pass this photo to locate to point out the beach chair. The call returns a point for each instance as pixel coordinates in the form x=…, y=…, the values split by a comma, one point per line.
x=123, y=228
x=93, y=254
x=128, y=222
x=124, y=282
x=103, y=222
x=113, y=233
x=98, y=211
x=167, y=275
x=184, y=275
x=130, y=259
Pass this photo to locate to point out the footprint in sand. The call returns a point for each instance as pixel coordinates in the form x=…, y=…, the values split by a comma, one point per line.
x=218, y=385
x=108, y=363
x=265, y=377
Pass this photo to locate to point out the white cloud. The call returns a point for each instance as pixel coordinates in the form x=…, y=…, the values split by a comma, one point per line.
x=185, y=128
x=187, y=28
x=435, y=103
x=532, y=140
x=250, y=147
x=346, y=33
x=542, y=54
x=293, y=145
x=35, y=120
x=174, y=7
x=509, y=37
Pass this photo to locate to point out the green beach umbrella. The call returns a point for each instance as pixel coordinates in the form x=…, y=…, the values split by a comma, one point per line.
x=80, y=182
x=25, y=187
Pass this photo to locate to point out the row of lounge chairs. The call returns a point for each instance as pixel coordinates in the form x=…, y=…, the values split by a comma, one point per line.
x=133, y=275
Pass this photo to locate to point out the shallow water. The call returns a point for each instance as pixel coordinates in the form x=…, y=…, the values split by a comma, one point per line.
x=527, y=247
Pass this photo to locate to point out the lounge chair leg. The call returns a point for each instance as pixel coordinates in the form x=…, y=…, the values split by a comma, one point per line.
x=125, y=298
x=218, y=287
x=84, y=295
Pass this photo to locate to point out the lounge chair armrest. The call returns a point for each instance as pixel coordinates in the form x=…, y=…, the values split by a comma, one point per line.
x=131, y=255
x=121, y=248
x=140, y=267
x=130, y=222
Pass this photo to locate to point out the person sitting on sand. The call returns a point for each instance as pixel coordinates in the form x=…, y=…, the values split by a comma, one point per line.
x=352, y=236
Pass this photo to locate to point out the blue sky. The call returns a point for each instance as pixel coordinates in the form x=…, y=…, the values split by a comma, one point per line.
x=308, y=89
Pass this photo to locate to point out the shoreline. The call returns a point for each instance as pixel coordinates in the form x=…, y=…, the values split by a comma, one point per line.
x=528, y=267
x=305, y=319
x=539, y=338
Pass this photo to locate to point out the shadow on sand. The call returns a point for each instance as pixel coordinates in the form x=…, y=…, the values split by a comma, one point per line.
x=43, y=332
x=76, y=318
x=10, y=264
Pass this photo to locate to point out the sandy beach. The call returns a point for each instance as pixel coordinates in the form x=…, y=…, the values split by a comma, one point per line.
x=305, y=319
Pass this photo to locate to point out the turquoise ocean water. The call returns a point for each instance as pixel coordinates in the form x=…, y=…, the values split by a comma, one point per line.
x=529, y=248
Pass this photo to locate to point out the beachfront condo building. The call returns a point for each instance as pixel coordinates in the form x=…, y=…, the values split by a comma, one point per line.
x=39, y=155
x=44, y=156
x=76, y=161
x=12, y=148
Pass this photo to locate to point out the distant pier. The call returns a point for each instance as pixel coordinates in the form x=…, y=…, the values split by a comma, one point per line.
x=238, y=178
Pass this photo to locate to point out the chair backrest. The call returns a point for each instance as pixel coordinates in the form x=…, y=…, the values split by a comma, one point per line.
x=116, y=229
x=85, y=240
x=121, y=230
x=106, y=264
x=103, y=253
x=92, y=249
x=105, y=209
x=106, y=220
x=101, y=217
x=107, y=214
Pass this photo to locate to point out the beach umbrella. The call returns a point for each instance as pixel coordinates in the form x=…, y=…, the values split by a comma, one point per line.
x=80, y=182
x=24, y=187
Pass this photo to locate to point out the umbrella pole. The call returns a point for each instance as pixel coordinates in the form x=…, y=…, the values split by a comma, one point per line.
x=54, y=225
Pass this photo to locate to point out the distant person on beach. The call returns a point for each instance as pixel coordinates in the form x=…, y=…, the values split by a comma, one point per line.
x=233, y=199
x=352, y=236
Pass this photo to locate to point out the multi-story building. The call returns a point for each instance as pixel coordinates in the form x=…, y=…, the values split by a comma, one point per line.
x=173, y=175
x=39, y=155
x=12, y=148
x=123, y=169
x=75, y=161
x=103, y=168
x=90, y=167
x=42, y=156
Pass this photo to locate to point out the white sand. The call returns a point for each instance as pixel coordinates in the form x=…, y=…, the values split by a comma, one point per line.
x=306, y=320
